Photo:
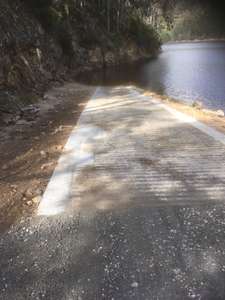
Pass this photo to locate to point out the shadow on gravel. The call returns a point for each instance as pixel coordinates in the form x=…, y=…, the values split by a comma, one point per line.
x=141, y=230
x=128, y=253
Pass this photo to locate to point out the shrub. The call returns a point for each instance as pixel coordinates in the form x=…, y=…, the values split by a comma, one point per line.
x=143, y=34
x=53, y=20
x=165, y=36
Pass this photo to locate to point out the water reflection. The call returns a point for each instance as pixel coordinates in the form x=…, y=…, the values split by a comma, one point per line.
x=187, y=71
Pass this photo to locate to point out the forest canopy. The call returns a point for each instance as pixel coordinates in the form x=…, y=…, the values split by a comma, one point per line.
x=100, y=21
x=141, y=20
x=194, y=19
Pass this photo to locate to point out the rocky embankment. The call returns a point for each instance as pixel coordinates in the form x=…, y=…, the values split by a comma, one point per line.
x=29, y=57
x=32, y=58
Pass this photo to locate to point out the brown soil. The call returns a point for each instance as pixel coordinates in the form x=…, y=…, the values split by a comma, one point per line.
x=205, y=116
x=29, y=151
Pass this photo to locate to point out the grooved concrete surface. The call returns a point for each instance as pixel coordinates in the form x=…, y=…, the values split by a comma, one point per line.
x=144, y=218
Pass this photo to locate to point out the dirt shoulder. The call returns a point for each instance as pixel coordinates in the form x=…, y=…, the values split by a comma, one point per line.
x=214, y=119
x=30, y=148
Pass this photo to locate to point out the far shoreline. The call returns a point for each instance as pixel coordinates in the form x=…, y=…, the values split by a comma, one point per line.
x=195, y=41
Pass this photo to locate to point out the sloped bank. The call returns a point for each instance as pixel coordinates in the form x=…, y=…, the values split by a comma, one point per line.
x=29, y=57
x=34, y=56
x=29, y=150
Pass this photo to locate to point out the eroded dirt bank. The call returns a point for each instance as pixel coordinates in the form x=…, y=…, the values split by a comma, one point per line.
x=31, y=146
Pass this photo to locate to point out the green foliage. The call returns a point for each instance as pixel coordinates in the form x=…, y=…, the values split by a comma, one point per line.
x=165, y=35
x=190, y=26
x=143, y=34
x=194, y=20
x=46, y=13
x=52, y=19
x=117, y=40
x=54, y=16
x=97, y=23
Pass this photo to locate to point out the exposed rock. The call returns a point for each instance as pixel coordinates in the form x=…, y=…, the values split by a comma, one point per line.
x=38, y=192
x=13, y=186
x=220, y=113
x=29, y=193
x=30, y=109
x=43, y=153
x=22, y=122
x=47, y=165
x=110, y=58
x=60, y=128
x=134, y=285
x=95, y=55
x=4, y=167
x=27, y=54
x=36, y=199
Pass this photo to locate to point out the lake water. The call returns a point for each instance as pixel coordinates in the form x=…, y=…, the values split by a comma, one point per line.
x=185, y=71
x=189, y=71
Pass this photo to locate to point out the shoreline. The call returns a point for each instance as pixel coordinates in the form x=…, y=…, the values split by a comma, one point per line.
x=212, y=118
x=195, y=41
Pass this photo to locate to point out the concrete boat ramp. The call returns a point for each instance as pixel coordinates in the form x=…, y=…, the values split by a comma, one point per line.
x=134, y=210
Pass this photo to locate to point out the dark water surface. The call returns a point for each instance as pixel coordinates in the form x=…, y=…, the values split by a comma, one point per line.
x=185, y=71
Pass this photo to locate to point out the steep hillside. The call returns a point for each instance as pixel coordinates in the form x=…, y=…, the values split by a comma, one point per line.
x=45, y=42
x=29, y=57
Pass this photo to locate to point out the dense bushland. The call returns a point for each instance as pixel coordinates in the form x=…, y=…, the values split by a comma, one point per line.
x=95, y=23
x=191, y=20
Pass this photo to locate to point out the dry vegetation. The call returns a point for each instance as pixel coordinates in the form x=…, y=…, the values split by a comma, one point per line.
x=214, y=119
